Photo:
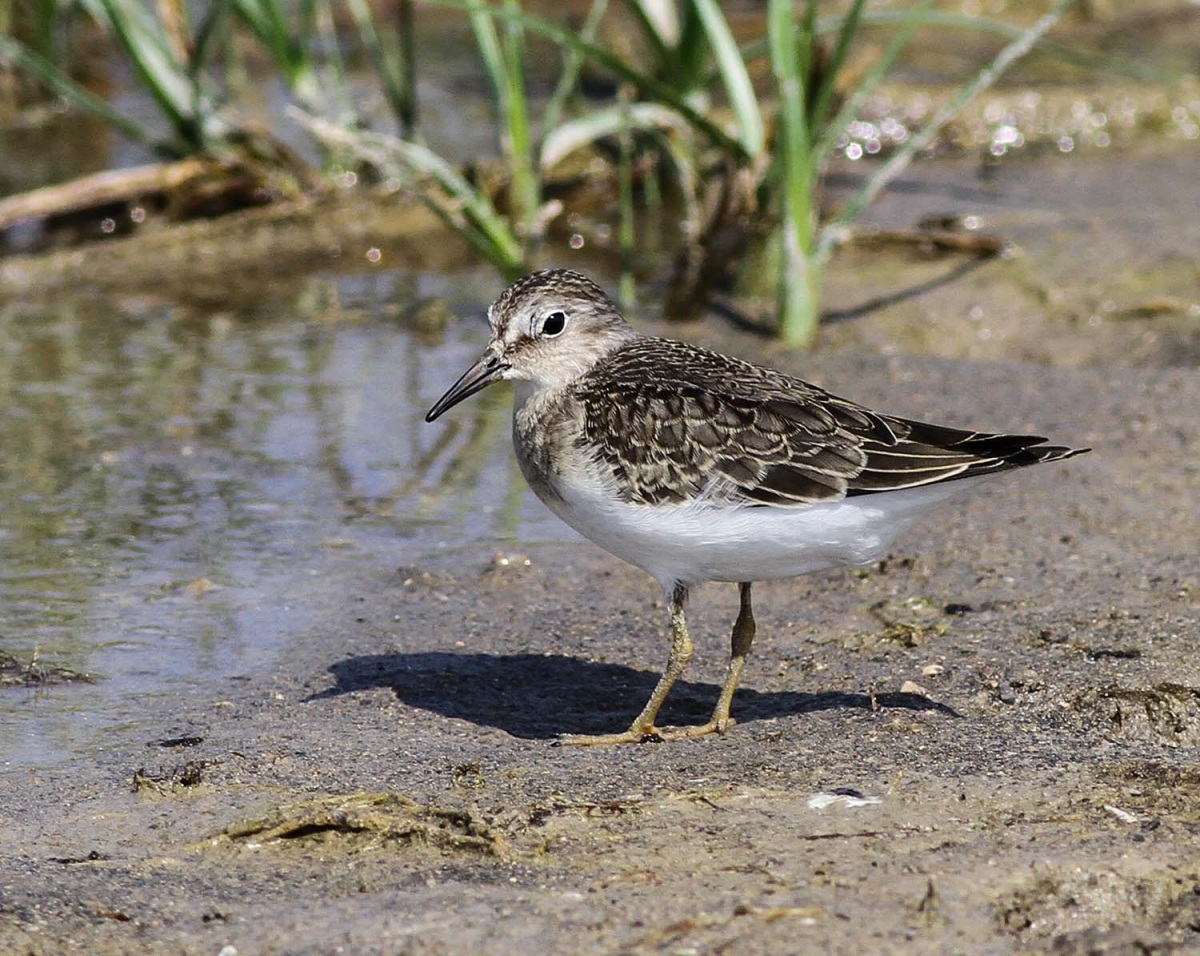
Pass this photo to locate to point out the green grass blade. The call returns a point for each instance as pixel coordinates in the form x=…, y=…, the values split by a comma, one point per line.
x=502, y=59
x=46, y=18
x=166, y=79
x=389, y=64
x=464, y=207
x=208, y=36
x=687, y=176
x=841, y=49
x=793, y=131
x=267, y=20
x=488, y=41
x=692, y=53
x=407, y=43
x=500, y=244
x=806, y=44
x=736, y=79
x=799, y=275
x=525, y=192
x=656, y=33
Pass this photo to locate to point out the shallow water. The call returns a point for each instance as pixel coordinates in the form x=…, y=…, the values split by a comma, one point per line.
x=177, y=490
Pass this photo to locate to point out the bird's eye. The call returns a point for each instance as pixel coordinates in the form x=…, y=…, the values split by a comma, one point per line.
x=554, y=323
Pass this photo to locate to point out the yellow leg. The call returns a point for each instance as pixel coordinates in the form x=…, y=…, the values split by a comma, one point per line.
x=740, y=641
x=642, y=728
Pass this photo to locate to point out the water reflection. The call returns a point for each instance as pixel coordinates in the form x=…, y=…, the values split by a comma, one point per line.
x=178, y=491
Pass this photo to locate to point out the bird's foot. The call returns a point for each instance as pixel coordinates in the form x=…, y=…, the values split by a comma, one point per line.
x=648, y=734
x=697, y=730
x=634, y=735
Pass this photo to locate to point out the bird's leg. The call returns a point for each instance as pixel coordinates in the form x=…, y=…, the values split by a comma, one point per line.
x=740, y=641
x=643, y=728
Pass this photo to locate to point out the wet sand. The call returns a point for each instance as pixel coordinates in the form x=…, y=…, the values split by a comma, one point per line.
x=1037, y=789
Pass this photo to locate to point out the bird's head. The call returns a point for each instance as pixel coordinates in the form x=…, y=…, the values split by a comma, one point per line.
x=548, y=329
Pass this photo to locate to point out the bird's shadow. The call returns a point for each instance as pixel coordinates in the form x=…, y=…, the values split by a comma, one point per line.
x=536, y=696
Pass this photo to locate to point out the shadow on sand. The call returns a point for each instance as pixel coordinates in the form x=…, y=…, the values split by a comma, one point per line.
x=537, y=696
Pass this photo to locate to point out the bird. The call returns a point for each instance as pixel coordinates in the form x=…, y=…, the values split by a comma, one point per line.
x=696, y=466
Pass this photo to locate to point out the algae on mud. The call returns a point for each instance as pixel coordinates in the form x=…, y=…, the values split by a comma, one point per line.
x=377, y=818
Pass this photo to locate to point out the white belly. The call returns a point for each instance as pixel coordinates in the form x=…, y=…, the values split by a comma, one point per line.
x=702, y=541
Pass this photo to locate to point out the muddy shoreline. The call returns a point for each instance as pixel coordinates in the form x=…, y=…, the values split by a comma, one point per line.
x=1037, y=790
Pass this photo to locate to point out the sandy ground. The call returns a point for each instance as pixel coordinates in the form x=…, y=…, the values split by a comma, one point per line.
x=1016, y=691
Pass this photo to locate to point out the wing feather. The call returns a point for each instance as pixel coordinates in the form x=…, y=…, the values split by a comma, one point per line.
x=676, y=423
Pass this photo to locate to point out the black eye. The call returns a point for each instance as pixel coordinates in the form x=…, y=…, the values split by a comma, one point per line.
x=554, y=323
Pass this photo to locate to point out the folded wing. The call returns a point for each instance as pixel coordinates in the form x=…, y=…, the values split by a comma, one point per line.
x=692, y=424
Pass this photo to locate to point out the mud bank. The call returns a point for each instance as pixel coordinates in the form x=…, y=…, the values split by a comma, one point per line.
x=1016, y=690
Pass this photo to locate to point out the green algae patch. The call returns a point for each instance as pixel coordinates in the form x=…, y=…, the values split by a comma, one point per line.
x=367, y=820
x=37, y=673
x=1166, y=713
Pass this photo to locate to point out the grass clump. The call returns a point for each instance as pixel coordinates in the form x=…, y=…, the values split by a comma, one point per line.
x=742, y=133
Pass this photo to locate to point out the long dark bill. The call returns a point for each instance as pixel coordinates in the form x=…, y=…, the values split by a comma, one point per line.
x=479, y=376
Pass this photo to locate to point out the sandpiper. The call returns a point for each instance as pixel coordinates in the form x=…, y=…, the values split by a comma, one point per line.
x=695, y=466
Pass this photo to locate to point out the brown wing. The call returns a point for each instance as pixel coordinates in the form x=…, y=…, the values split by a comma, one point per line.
x=924, y=454
x=675, y=423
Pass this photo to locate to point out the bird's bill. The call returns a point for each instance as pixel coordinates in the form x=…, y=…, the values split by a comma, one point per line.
x=479, y=376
